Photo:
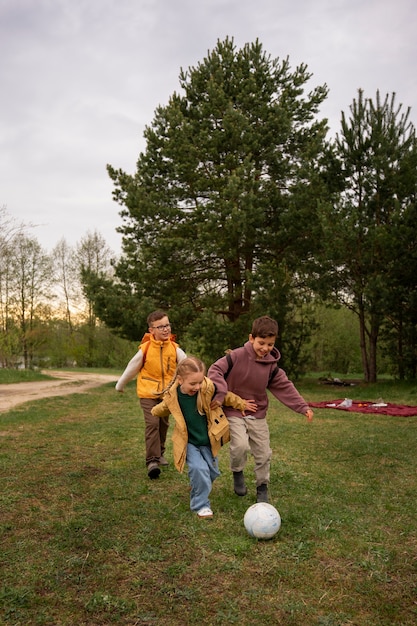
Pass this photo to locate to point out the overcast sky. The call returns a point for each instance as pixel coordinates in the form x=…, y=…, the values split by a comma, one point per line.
x=80, y=79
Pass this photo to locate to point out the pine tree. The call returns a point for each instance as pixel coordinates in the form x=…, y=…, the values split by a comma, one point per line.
x=223, y=183
x=362, y=233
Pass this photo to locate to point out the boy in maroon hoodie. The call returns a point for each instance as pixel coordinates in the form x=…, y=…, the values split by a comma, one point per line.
x=249, y=372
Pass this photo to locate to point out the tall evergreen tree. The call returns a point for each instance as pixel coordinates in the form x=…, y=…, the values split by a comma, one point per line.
x=224, y=185
x=399, y=331
x=364, y=229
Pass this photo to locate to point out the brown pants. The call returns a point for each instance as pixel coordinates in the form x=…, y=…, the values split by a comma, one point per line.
x=156, y=429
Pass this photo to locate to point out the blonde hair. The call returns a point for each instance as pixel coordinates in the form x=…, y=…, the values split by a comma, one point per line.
x=189, y=365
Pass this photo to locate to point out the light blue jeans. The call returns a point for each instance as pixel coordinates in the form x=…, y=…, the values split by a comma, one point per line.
x=203, y=469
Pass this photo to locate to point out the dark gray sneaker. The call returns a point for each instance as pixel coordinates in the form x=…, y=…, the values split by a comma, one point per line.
x=239, y=484
x=153, y=469
x=262, y=493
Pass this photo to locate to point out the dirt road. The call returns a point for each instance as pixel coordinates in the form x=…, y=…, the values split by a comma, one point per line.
x=64, y=384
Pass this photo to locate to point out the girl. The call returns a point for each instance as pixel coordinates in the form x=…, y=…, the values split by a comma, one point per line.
x=199, y=430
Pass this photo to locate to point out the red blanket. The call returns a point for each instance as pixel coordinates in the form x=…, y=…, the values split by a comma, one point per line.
x=364, y=406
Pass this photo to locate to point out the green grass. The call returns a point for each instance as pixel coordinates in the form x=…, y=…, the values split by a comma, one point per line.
x=8, y=376
x=88, y=539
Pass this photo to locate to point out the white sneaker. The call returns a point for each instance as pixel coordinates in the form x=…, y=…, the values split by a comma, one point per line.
x=205, y=512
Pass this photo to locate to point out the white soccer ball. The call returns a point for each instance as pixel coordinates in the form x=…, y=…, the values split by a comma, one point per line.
x=262, y=520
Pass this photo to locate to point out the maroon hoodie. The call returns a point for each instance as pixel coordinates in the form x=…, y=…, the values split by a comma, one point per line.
x=250, y=378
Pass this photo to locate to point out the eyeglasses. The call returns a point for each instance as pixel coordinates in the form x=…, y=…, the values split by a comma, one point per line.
x=163, y=327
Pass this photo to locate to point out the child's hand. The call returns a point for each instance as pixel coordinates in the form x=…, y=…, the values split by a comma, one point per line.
x=309, y=415
x=251, y=406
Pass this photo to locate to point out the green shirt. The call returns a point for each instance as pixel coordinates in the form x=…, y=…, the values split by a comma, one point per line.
x=196, y=423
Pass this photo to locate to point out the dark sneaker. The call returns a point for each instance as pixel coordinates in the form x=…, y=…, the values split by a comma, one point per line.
x=262, y=493
x=239, y=484
x=153, y=470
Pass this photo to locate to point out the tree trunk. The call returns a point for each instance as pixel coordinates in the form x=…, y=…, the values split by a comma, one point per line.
x=372, y=370
x=364, y=352
x=400, y=356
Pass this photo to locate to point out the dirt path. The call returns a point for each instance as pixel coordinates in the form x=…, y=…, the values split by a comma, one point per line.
x=64, y=384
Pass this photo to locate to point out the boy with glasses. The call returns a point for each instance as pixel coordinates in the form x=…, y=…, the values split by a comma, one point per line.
x=154, y=365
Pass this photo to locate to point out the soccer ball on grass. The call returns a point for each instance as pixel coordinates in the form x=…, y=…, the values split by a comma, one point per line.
x=262, y=520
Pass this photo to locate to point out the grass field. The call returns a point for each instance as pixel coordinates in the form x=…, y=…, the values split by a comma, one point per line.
x=8, y=376
x=88, y=539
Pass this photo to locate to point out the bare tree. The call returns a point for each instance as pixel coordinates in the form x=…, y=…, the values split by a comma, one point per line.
x=67, y=279
x=93, y=257
x=30, y=288
x=9, y=229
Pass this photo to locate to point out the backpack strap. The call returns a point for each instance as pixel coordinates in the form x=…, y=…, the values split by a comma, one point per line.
x=229, y=365
x=273, y=374
x=144, y=347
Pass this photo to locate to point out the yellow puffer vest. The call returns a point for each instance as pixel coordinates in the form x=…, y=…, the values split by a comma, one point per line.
x=160, y=363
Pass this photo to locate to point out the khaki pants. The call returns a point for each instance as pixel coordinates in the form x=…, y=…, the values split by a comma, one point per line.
x=156, y=429
x=250, y=435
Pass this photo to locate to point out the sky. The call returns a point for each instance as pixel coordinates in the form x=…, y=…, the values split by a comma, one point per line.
x=81, y=79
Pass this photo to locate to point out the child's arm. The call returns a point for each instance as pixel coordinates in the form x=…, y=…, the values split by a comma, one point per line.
x=132, y=369
x=285, y=391
x=180, y=355
x=231, y=399
x=161, y=409
x=216, y=374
